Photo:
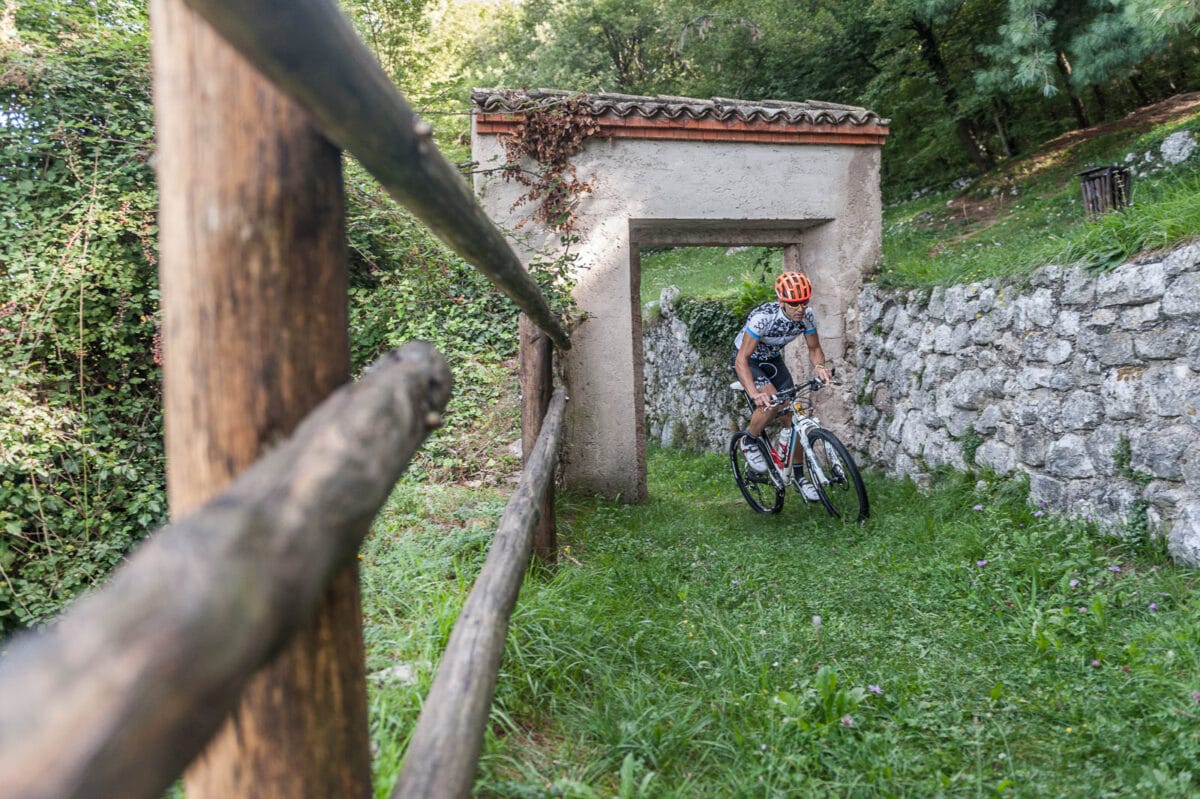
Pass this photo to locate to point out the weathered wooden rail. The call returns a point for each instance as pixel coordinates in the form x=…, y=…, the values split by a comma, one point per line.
x=231, y=639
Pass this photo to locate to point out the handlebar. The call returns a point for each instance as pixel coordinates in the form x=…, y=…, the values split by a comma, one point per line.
x=789, y=395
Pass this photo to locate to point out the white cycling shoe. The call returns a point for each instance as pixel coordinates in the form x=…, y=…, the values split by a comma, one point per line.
x=808, y=490
x=754, y=457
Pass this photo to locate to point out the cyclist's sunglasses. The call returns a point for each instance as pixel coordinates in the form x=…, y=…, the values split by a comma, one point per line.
x=796, y=304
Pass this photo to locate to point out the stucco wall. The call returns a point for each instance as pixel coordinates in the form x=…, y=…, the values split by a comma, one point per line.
x=685, y=192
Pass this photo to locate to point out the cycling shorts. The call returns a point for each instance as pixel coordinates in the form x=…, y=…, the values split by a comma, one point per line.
x=771, y=371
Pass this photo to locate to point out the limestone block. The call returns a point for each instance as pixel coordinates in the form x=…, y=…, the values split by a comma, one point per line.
x=996, y=456
x=1182, y=260
x=973, y=389
x=1101, y=320
x=984, y=330
x=1043, y=488
x=1030, y=448
x=1082, y=410
x=1102, y=446
x=1131, y=284
x=950, y=340
x=1182, y=298
x=937, y=303
x=1139, y=317
x=913, y=436
x=1171, y=390
x=1190, y=467
x=1067, y=457
x=1047, y=276
x=1028, y=411
x=1046, y=346
x=1172, y=340
x=1067, y=324
x=1178, y=147
x=1121, y=393
x=989, y=420
x=1183, y=537
x=1078, y=288
x=1035, y=311
x=1159, y=451
x=1110, y=349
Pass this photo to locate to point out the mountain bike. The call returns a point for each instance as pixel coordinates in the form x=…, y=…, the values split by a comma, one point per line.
x=813, y=454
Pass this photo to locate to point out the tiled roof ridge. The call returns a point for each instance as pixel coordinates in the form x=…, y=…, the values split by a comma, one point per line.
x=815, y=112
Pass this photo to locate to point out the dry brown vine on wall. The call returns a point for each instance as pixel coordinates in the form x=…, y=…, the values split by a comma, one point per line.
x=551, y=134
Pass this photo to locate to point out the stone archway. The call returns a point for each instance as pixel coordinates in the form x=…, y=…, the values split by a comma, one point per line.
x=677, y=171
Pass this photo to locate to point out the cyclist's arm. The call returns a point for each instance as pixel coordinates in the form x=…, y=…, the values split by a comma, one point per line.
x=817, y=356
x=741, y=367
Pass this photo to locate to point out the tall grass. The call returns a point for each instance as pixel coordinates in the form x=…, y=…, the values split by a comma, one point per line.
x=962, y=643
x=1031, y=214
x=706, y=271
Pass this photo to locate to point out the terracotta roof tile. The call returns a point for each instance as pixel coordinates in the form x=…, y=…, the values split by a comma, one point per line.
x=811, y=112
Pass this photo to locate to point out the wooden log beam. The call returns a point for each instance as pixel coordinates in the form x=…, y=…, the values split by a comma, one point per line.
x=444, y=751
x=537, y=386
x=310, y=50
x=254, y=272
x=116, y=697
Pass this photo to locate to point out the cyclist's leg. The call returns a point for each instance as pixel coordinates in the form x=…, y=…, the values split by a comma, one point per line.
x=781, y=380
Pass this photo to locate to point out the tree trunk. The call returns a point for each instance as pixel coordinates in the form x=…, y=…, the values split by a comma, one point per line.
x=254, y=302
x=999, y=116
x=964, y=127
x=1064, y=69
x=1101, y=102
x=1139, y=91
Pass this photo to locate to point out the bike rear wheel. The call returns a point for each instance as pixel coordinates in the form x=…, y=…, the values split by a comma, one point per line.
x=842, y=491
x=760, y=493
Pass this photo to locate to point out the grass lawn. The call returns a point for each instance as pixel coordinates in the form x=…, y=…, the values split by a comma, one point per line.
x=960, y=644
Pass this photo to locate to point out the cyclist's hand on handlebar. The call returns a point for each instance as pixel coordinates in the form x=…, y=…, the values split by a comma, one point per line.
x=762, y=399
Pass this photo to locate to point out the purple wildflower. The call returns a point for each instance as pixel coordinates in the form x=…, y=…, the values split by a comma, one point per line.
x=978, y=507
x=1037, y=514
x=1114, y=568
x=981, y=563
x=875, y=689
x=1082, y=609
x=847, y=720
x=1074, y=583
x=1196, y=696
x=1095, y=663
x=1154, y=607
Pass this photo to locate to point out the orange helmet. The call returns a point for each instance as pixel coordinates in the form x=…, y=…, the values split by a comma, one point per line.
x=793, y=287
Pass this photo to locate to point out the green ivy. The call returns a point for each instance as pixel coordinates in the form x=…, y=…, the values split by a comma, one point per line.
x=714, y=323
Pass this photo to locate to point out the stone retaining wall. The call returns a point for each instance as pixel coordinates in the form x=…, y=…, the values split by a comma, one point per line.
x=1087, y=385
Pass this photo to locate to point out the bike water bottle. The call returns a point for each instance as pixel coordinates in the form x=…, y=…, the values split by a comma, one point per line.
x=785, y=439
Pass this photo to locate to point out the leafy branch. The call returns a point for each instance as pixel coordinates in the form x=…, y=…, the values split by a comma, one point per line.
x=550, y=134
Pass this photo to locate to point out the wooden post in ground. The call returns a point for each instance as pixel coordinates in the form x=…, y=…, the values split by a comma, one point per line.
x=537, y=386
x=253, y=281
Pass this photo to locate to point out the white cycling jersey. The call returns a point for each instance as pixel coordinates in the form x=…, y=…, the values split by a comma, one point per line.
x=773, y=331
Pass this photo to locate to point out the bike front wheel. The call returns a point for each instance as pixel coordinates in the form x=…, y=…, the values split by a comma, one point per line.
x=761, y=494
x=841, y=488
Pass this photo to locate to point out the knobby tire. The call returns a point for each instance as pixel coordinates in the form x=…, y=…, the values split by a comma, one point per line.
x=845, y=495
x=760, y=493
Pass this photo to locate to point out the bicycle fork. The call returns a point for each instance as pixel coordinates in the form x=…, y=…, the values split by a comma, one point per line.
x=803, y=424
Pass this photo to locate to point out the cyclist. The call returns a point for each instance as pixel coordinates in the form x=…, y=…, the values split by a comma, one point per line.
x=758, y=357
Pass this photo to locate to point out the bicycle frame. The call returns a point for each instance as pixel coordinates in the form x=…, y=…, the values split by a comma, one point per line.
x=803, y=420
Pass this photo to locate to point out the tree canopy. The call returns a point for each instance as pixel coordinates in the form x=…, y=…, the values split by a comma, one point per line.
x=966, y=82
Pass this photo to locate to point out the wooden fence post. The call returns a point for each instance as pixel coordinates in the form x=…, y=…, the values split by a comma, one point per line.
x=253, y=281
x=537, y=386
